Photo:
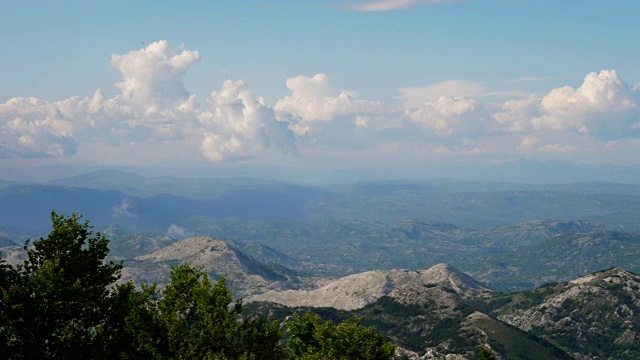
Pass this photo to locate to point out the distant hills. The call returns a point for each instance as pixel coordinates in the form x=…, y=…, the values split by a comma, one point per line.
x=29, y=206
x=559, y=258
x=138, y=185
x=141, y=203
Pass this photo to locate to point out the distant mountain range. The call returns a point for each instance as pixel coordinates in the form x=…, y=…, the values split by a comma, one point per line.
x=141, y=203
x=29, y=206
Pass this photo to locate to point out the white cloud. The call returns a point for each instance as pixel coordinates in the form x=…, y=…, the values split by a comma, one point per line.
x=447, y=115
x=153, y=106
x=313, y=100
x=603, y=107
x=415, y=96
x=556, y=149
x=378, y=122
x=152, y=77
x=389, y=5
x=529, y=144
x=154, y=117
x=32, y=128
x=516, y=115
x=239, y=125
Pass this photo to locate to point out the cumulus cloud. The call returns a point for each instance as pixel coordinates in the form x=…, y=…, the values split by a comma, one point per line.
x=239, y=125
x=516, y=115
x=529, y=144
x=152, y=77
x=603, y=107
x=32, y=128
x=152, y=105
x=447, y=115
x=389, y=5
x=153, y=113
x=313, y=100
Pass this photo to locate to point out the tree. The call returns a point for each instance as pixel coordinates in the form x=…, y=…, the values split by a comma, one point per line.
x=55, y=303
x=485, y=354
x=311, y=338
x=196, y=314
x=7, y=279
x=196, y=319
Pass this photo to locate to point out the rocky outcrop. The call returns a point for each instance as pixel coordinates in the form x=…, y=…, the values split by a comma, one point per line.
x=358, y=290
x=595, y=315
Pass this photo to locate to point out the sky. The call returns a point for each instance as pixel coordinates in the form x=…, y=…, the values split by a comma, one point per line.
x=335, y=84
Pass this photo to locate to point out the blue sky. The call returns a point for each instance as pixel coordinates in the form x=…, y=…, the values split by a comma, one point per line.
x=318, y=82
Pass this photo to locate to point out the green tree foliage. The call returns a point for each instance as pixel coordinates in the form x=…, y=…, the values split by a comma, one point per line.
x=195, y=319
x=56, y=302
x=311, y=338
x=485, y=354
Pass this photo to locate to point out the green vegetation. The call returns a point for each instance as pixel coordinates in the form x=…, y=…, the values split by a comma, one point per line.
x=311, y=338
x=485, y=354
x=57, y=303
x=63, y=303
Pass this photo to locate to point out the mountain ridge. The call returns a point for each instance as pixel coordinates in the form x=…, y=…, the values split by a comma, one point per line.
x=358, y=290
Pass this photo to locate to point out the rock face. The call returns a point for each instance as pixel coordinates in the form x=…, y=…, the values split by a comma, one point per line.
x=418, y=294
x=594, y=316
x=358, y=290
x=435, y=321
x=245, y=274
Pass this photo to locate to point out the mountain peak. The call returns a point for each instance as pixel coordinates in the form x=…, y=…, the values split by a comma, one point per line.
x=217, y=258
x=457, y=280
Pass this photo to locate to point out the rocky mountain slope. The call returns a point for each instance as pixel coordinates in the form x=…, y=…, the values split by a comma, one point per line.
x=437, y=323
x=355, y=291
x=429, y=321
x=592, y=317
x=588, y=318
x=244, y=274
